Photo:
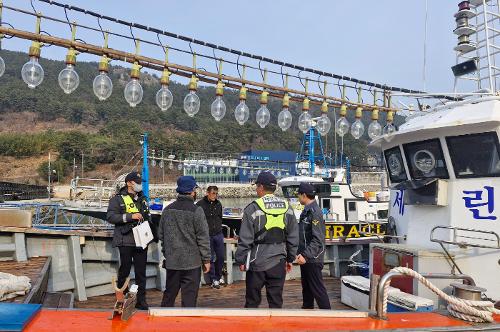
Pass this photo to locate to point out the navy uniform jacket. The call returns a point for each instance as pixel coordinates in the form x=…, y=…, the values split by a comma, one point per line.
x=312, y=234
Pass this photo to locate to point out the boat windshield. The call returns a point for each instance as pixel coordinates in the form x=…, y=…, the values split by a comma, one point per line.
x=292, y=191
x=425, y=159
x=475, y=155
x=395, y=165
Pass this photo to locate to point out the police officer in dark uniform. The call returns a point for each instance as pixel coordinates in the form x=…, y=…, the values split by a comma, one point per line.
x=311, y=250
x=125, y=211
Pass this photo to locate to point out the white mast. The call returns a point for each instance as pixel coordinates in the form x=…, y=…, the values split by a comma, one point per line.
x=478, y=31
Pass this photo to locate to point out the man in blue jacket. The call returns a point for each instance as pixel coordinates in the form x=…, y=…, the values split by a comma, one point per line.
x=311, y=249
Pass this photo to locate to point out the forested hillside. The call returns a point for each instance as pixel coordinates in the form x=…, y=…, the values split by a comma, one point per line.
x=34, y=122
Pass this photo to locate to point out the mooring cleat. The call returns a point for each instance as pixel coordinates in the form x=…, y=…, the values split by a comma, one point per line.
x=125, y=303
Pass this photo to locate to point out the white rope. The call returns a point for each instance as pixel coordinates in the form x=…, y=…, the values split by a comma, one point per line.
x=472, y=311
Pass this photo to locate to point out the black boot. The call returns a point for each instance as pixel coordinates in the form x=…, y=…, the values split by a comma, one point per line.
x=141, y=304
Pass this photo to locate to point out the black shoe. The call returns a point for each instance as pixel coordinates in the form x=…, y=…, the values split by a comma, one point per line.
x=142, y=305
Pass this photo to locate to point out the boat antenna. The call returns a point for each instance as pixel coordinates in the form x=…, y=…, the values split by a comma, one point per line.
x=425, y=46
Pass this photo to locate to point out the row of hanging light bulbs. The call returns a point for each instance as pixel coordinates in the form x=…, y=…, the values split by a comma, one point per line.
x=228, y=170
x=357, y=128
x=210, y=167
x=33, y=74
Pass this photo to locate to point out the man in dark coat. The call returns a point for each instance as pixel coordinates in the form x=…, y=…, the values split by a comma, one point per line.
x=213, y=212
x=125, y=211
x=183, y=232
x=311, y=249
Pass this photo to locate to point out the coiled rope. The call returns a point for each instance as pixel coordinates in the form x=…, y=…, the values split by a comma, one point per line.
x=471, y=311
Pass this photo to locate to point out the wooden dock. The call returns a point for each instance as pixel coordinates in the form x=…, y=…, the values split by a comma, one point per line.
x=37, y=269
x=231, y=296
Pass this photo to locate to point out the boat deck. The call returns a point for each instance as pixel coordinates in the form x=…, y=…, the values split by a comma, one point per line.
x=231, y=296
x=82, y=320
x=96, y=311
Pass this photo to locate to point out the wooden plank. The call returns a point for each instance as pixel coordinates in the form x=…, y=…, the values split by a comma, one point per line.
x=207, y=312
x=70, y=232
x=33, y=230
x=40, y=286
x=58, y=300
x=231, y=296
x=9, y=229
x=15, y=218
x=51, y=300
x=67, y=300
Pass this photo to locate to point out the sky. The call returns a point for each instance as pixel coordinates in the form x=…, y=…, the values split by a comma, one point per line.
x=380, y=41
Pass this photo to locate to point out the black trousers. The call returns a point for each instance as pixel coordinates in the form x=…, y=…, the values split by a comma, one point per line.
x=139, y=257
x=273, y=279
x=188, y=281
x=313, y=287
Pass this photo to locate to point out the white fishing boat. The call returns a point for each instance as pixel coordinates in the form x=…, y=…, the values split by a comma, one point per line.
x=349, y=218
x=444, y=169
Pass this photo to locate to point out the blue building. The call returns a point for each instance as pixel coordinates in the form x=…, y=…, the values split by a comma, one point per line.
x=252, y=162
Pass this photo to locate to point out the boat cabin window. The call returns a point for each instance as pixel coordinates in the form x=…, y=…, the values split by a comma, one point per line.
x=475, y=155
x=290, y=191
x=395, y=164
x=325, y=203
x=322, y=190
x=382, y=214
x=425, y=159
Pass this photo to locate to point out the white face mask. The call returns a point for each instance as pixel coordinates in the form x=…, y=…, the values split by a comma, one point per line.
x=137, y=187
